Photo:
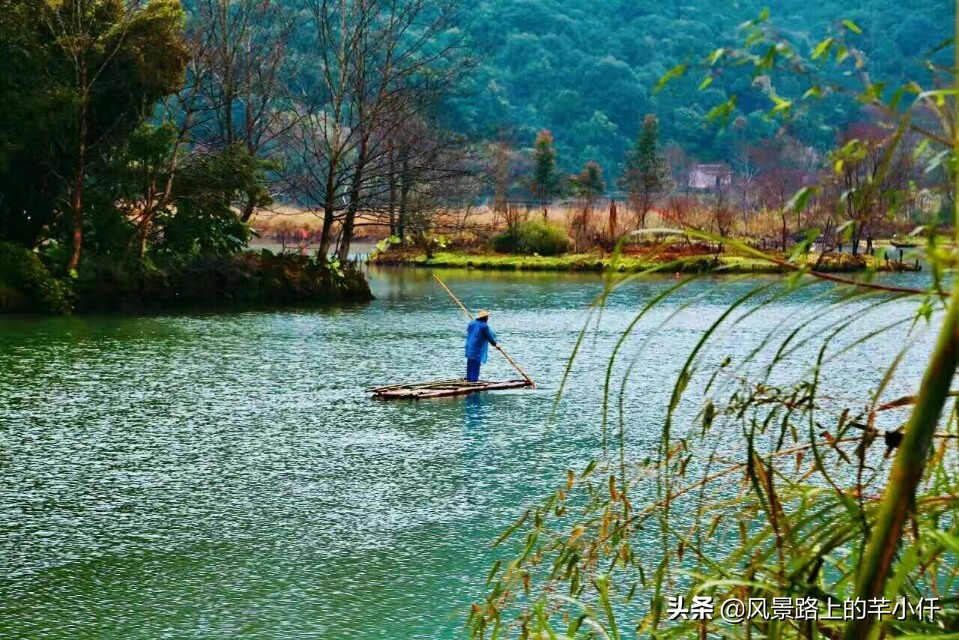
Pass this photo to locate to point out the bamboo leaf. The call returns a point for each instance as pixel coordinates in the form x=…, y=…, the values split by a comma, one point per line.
x=672, y=74
x=852, y=26
x=715, y=56
x=822, y=48
x=800, y=200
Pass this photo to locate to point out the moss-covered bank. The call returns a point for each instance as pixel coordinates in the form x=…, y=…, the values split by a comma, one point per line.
x=245, y=280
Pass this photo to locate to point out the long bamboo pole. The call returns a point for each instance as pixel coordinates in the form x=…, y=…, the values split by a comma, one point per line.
x=497, y=347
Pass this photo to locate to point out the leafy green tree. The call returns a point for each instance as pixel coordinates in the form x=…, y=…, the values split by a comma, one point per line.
x=546, y=182
x=113, y=62
x=29, y=129
x=202, y=220
x=94, y=71
x=589, y=183
x=646, y=176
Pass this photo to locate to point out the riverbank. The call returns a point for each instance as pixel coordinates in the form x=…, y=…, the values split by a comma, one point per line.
x=600, y=262
x=250, y=279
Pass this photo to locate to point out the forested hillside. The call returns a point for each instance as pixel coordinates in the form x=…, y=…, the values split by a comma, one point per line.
x=587, y=70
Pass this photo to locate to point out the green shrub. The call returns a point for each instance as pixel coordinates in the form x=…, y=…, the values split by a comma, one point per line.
x=841, y=262
x=248, y=279
x=27, y=285
x=532, y=237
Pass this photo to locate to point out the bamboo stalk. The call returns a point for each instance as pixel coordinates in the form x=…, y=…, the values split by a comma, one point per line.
x=907, y=470
x=437, y=384
x=440, y=391
x=497, y=347
x=910, y=462
x=416, y=384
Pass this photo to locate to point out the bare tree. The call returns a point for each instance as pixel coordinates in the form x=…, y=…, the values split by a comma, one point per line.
x=501, y=157
x=381, y=68
x=723, y=217
x=747, y=170
x=778, y=181
x=434, y=172
x=243, y=72
x=872, y=176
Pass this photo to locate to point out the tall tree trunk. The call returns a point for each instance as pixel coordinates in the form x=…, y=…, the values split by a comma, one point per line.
x=745, y=205
x=144, y=228
x=326, y=235
x=356, y=186
x=405, y=187
x=76, y=207
x=643, y=209
x=612, y=219
x=229, y=91
x=392, y=206
x=248, y=209
x=76, y=195
x=329, y=211
x=393, y=187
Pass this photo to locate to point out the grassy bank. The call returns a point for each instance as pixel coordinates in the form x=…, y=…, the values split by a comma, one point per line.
x=251, y=279
x=595, y=262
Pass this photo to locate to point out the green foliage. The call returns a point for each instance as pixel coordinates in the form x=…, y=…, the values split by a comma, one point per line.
x=530, y=238
x=545, y=183
x=35, y=116
x=645, y=176
x=242, y=280
x=202, y=220
x=27, y=285
x=589, y=183
x=568, y=67
x=131, y=58
x=386, y=244
x=841, y=262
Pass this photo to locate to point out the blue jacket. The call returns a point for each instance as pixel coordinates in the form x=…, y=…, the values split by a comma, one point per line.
x=478, y=338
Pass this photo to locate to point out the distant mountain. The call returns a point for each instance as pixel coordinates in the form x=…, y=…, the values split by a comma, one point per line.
x=586, y=70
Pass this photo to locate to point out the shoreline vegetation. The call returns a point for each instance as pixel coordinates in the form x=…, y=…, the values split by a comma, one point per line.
x=249, y=279
x=548, y=247
x=604, y=263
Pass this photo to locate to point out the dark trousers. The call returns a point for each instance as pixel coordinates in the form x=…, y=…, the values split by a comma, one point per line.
x=472, y=369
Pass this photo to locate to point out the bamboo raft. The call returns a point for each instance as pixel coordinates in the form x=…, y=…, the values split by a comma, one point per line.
x=456, y=387
x=442, y=389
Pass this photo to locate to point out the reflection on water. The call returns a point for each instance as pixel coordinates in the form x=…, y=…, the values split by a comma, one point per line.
x=226, y=475
x=475, y=412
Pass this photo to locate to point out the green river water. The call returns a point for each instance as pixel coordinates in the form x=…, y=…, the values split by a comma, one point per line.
x=225, y=475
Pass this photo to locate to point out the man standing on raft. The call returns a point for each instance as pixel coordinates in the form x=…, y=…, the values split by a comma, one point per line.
x=478, y=338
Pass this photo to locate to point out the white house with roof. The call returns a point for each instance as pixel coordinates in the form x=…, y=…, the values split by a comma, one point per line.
x=710, y=176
